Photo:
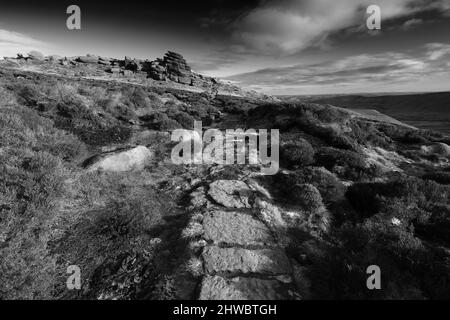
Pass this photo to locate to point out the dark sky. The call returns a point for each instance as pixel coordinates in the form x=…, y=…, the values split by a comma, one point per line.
x=282, y=46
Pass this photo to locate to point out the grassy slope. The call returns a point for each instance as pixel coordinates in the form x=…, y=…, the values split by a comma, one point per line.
x=124, y=230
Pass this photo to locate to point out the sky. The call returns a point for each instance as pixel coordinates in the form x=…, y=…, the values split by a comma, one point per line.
x=273, y=46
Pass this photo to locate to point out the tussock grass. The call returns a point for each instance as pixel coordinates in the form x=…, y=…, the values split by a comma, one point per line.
x=195, y=267
x=192, y=231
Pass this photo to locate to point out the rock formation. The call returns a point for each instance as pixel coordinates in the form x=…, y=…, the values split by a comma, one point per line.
x=172, y=69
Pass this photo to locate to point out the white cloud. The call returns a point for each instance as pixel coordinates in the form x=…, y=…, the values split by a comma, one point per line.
x=411, y=23
x=436, y=51
x=289, y=26
x=367, y=71
x=12, y=43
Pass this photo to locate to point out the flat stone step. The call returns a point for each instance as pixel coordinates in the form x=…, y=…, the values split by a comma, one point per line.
x=239, y=288
x=236, y=229
x=238, y=260
x=231, y=193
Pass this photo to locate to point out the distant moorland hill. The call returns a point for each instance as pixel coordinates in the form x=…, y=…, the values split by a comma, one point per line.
x=424, y=110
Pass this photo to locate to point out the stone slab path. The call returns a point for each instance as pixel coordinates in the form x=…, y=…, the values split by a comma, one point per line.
x=242, y=259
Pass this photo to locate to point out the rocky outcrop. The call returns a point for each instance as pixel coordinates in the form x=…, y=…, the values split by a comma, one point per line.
x=172, y=68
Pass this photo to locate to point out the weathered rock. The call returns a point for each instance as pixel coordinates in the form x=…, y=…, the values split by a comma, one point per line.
x=218, y=288
x=87, y=59
x=113, y=70
x=234, y=228
x=128, y=73
x=231, y=193
x=54, y=57
x=12, y=62
x=184, y=80
x=104, y=62
x=174, y=55
x=105, y=59
x=440, y=149
x=244, y=261
x=173, y=67
x=134, y=158
x=36, y=55
x=130, y=64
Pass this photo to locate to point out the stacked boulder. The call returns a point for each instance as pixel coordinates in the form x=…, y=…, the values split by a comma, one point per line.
x=177, y=68
x=172, y=67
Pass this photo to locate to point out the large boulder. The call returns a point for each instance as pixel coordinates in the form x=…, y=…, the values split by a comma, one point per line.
x=36, y=55
x=135, y=158
x=87, y=59
x=440, y=149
